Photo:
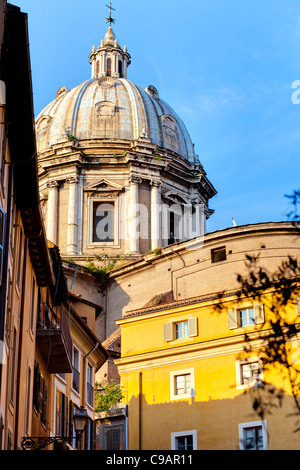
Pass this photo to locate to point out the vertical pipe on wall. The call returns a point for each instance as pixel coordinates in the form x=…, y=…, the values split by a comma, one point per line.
x=140, y=409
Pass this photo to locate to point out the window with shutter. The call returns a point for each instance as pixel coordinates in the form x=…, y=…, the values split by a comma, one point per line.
x=179, y=330
x=238, y=318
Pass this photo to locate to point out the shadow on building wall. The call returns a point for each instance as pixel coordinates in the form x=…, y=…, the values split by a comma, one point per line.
x=217, y=422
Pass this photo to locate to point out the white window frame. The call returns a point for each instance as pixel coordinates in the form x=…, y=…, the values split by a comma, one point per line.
x=238, y=366
x=115, y=201
x=177, y=373
x=192, y=433
x=253, y=424
x=185, y=329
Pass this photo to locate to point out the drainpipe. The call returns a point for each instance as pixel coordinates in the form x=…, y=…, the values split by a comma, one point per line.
x=126, y=427
x=140, y=410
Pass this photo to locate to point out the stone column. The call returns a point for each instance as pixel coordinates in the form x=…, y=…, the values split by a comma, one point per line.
x=72, y=216
x=133, y=211
x=155, y=214
x=52, y=211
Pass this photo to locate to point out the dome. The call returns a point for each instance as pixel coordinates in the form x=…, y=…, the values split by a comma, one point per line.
x=154, y=194
x=110, y=107
x=105, y=109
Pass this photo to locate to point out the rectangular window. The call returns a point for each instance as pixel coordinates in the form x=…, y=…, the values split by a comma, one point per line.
x=61, y=428
x=113, y=439
x=182, y=384
x=246, y=317
x=238, y=318
x=179, y=330
x=33, y=305
x=249, y=373
x=253, y=436
x=184, y=443
x=103, y=222
x=89, y=385
x=19, y=255
x=182, y=330
x=39, y=393
x=76, y=372
x=218, y=254
x=184, y=440
x=13, y=367
x=175, y=226
x=8, y=308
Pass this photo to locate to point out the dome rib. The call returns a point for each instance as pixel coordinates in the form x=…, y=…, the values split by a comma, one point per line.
x=78, y=101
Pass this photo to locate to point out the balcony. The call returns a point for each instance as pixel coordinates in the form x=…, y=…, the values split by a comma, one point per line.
x=54, y=341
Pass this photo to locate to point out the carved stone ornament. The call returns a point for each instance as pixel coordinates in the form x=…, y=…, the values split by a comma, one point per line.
x=72, y=180
x=103, y=186
x=52, y=184
x=106, y=81
x=135, y=179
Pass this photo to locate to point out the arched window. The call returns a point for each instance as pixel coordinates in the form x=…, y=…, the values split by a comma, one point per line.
x=97, y=68
x=108, y=67
x=120, y=69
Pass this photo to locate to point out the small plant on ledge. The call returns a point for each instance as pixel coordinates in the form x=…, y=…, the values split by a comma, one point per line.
x=100, y=273
x=156, y=251
x=107, y=396
x=72, y=137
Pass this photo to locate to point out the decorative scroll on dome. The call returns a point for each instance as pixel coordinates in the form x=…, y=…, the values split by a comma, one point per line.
x=152, y=91
x=60, y=92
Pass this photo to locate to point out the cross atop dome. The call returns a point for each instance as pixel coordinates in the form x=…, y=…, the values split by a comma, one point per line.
x=109, y=59
x=110, y=19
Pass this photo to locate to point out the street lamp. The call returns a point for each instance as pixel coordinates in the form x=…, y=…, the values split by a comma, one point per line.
x=80, y=419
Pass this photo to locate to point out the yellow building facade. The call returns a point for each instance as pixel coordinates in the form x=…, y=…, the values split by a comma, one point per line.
x=192, y=381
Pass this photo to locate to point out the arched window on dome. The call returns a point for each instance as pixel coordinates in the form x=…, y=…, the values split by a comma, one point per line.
x=120, y=69
x=97, y=68
x=108, y=67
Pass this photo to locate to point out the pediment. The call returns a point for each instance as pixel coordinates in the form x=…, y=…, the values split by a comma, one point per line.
x=103, y=185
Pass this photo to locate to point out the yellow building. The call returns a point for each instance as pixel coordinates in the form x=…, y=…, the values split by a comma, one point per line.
x=187, y=378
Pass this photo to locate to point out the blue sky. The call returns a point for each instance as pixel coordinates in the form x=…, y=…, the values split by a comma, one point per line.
x=225, y=66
